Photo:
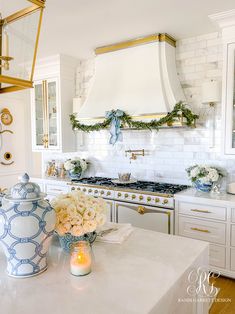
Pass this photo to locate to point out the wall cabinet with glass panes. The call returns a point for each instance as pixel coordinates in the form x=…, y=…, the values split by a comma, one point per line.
x=51, y=104
x=229, y=99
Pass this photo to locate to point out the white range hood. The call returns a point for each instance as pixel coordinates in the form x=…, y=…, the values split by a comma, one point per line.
x=138, y=77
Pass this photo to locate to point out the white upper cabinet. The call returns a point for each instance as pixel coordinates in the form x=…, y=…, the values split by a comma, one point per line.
x=226, y=21
x=229, y=100
x=51, y=104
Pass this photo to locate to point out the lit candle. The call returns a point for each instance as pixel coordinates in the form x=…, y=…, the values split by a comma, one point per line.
x=80, y=262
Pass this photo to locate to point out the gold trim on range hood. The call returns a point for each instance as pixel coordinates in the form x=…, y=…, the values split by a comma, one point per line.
x=136, y=42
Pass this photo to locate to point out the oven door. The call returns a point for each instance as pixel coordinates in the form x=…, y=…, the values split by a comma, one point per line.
x=146, y=217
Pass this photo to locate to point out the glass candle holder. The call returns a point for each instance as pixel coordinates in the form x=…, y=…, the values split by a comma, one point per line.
x=80, y=261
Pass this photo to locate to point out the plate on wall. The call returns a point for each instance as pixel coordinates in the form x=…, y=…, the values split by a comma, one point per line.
x=116, y=181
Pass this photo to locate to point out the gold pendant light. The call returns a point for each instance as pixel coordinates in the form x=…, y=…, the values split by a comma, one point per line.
x=19, y=36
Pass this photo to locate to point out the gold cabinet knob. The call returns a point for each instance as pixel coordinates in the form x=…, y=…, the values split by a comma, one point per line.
x=73, y=188
x=84, y=190
x=126, y=195
x=149, y=199
x=90, y=190
x=157, y=200
x=96, y=191
x=119, y=194
x=165, y=201
x=133, y=196
x=109, y=193
x=141, y=210
x=102, y=192
x=141, y=197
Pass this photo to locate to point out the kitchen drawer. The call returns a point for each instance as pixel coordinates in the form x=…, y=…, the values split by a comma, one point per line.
x=56, y=189
x=217, y=256
x=232, y=259
x=200, y=229
x=233, y=215
x=232, y=235
x=202, y=210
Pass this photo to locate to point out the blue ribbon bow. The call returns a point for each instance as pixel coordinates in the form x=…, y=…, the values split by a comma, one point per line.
x=115, y=131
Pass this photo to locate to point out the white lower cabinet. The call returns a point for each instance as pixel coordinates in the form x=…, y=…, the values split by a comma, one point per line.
x=217, y=256
x=212, y=220
x=232, y=258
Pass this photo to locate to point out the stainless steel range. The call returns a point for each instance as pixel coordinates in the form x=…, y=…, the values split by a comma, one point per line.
x=144, y=204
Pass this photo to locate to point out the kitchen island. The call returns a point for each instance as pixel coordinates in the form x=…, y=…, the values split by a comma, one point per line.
x=148, y=273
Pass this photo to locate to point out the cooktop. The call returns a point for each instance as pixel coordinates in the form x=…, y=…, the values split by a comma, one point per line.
x=138, y=185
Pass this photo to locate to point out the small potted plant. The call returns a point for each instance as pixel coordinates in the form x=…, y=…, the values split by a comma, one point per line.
x=75, y=167
x=77, y=217
x=203, y=177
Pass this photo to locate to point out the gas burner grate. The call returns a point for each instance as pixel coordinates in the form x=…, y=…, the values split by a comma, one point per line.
x=148, y=186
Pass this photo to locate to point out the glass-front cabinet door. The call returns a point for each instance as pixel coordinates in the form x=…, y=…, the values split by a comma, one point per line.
x=45, y=115
x=229, y=101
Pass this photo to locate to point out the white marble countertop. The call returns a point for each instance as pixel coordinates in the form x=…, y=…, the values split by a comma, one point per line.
x=146, y=274
x=224, y=197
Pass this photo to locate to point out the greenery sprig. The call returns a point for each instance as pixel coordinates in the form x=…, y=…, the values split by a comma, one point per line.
x=180, y=111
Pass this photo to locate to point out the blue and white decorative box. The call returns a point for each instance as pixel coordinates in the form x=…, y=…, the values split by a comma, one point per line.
x=27, y=223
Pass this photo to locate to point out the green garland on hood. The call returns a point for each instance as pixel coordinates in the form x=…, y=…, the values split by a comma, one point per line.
x=180, y=110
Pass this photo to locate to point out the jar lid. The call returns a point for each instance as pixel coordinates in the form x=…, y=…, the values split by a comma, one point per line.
x=25, y=190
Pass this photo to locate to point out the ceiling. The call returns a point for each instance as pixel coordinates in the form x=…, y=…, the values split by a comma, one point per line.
x=76, y=27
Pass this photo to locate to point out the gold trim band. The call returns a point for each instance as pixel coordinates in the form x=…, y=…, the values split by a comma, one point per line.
x=136, y=42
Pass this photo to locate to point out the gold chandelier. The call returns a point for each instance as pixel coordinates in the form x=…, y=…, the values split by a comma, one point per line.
x=19, y=36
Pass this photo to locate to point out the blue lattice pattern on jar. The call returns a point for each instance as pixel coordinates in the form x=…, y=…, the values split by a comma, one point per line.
x=67, y=240
x=25, y=189
x=26, y=249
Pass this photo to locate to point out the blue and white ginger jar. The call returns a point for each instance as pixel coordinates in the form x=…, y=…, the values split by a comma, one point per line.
x=27, y=223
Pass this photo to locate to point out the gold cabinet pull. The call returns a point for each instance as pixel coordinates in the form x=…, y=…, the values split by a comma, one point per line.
x=141, y=210
x=200, y=230
x=201, y=211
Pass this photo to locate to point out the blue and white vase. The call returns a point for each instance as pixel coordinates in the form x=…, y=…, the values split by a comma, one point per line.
x=27, y=223
x=203, y=187
x=75, y=176
x=68, y=240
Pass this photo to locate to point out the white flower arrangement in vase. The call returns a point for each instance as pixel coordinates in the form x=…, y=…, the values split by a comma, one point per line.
x=75, y=167
x=78, y=216
x=203, y=177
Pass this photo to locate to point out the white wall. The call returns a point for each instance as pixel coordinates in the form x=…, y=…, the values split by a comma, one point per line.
x=18, y=143
x=168, y=152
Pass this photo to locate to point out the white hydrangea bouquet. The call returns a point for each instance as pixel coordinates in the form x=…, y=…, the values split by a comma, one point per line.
x=75, y=167
x=203, y=177
x=77, y=217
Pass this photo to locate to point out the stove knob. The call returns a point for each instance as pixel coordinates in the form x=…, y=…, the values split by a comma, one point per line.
x=157, y=200
x=149, y=199
x=126, y=195
x=109, y=193
x=102, y=192
x=141, y=197
x=119, y=194
x=165, y=201
x=84, y=190
x=73, y=188
x=90, y=190
x=96, y=191
x=133, y=196
x=78, y=189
